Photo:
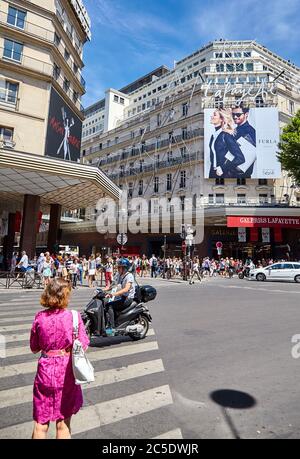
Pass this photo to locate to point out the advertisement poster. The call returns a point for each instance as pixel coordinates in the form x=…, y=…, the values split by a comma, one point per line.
x=241, y=143
x=242, y=235
x=63, y=131
x=265, y=235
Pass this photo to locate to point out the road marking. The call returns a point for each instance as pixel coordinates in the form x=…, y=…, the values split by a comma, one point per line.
x=105, y=413
x=19, y=395
x=103, y=354
x=172, y=434
x=14, y=351
x=17, y=319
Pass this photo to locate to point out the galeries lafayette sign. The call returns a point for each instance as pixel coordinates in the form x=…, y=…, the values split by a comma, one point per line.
x=263, y=222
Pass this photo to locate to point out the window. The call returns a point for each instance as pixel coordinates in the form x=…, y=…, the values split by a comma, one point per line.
x=156, y=184
x=241, y=199
x=66, y=85
x=122, y=101
x=130, y=190
x=75, y=99
x=132, y=135
x=220, y=181
x=210, y=199
x=157, y=161
x=240, y=181
x=9, y=92
x=259, y=101
x=291, y=107
x=220, y=67
x=247, y=54
x=239, y=67
x=184, y=133
x=57, y=39
x=141, y=187
x=116, y=140
x=249, y=66
x=67, y=54
x=116, y=99
x=131, y=168
x=12, y=50
x=100, y=146
x=220, y=198
x=229, y=67
x=143, y=147
x=182, y=179
x=108, y=143
x=185, y=109
x=237, y=54
x=122, y=170
x=262, y=182
x=6, y=133
x=263, y=199
x=16, y=17
x=75, y=68
x=170, y=156
x=218, y=55
x=141, y=165
x=158, y=119
x=169, y=182
x=228, y=55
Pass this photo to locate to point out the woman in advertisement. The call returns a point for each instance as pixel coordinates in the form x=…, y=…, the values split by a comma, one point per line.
x=225, y=153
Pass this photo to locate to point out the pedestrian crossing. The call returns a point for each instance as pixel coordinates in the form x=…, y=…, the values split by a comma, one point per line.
x=130, y=383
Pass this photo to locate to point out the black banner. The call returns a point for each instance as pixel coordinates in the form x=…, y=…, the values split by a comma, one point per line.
x=63, y=131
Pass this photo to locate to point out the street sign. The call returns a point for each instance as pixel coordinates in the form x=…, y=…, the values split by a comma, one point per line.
x=122, y=238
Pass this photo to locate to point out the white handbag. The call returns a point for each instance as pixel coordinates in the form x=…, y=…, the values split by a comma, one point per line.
x=82, y=368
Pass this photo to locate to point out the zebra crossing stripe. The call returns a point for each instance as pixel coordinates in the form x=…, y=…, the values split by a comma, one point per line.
x=6, y=328
x=17, y=319
x=19, y=395
x=25, y=350
x=104, y=413
x=172, y=434
x=103, y=354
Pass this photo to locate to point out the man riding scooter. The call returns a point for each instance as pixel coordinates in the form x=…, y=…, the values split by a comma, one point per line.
x=122, y=292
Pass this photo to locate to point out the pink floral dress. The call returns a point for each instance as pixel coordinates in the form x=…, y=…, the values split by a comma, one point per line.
x=55, y=394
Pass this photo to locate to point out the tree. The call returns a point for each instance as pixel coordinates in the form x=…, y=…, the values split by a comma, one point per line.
x=289, y=148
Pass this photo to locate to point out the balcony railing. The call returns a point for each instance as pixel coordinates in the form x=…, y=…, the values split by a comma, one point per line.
x=248, y=202
x=154, y=167
x=148, y=148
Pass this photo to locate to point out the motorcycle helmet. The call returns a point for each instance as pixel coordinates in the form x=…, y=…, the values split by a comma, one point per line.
x=124, y=263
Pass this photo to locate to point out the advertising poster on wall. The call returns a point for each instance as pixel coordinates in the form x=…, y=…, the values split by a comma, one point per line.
x=63, y=131
x=241, y=143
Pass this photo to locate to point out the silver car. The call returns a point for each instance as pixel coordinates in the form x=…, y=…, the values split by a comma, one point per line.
x=284, y=271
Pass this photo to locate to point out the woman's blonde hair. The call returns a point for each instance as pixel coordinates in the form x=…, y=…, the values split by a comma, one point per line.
x=56, y=294
x=227, y=120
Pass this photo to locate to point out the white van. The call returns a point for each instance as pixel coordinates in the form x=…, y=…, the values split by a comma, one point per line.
x=284, y=271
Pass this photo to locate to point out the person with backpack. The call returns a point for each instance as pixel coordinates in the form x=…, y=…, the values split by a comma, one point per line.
x=153, y=266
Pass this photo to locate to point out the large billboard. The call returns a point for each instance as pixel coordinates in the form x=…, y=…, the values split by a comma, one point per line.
x=64, y=130
x=241, y=143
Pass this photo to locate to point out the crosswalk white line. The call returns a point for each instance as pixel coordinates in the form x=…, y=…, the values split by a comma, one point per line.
x=103, y=354
x=25, y=350
x=19, y=395
x=6, y=328
x=36, y=303
x=171, y=435
x=21, y=337
x=104, y=413
x=16, y=319
x=12, y=314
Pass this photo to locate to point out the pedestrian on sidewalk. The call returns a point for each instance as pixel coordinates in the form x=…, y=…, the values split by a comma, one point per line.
x=56, y=397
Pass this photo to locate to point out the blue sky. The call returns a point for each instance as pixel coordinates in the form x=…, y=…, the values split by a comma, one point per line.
x=132, y=37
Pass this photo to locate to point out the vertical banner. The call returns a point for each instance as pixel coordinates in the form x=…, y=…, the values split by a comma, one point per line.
x=265, y=235
x=253, y=234
x=277, y=234
x=242, y=235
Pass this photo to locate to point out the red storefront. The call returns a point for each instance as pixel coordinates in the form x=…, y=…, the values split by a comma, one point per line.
x=268, y=236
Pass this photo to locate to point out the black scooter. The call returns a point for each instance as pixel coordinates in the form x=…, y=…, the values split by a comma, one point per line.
x=244, y=273
x=132, y=321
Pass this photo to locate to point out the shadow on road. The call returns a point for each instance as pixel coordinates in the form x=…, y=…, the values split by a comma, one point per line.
x=227, y=398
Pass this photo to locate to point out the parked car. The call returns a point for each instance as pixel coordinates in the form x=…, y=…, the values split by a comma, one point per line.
x=285, y=271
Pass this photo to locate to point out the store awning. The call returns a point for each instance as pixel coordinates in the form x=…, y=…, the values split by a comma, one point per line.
x=70, y=184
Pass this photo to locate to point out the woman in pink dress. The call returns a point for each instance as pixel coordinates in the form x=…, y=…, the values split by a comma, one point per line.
x=56, y=397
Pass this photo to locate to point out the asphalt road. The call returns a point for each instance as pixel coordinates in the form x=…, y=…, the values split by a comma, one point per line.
x=217, y=364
